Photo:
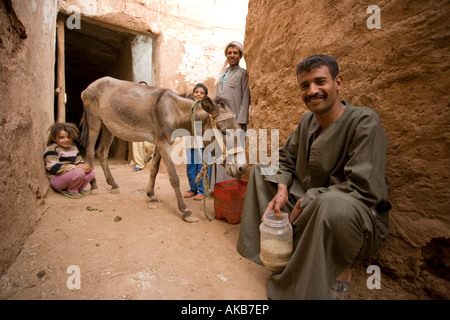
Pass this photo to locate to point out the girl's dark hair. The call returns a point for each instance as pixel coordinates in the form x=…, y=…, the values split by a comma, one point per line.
x=201, y=85
x=316, y=61
x=69, y=127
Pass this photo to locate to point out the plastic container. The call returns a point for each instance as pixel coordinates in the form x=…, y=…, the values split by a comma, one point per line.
x=276, y=241
x=229, y=199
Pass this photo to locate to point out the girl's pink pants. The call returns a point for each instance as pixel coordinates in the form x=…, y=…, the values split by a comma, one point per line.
x=73, y=181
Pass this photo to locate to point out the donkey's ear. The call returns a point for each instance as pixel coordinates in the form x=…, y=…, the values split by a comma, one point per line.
x=209, y=106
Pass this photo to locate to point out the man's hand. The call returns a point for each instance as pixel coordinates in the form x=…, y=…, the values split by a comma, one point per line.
x=296, y=211
x=279, y=200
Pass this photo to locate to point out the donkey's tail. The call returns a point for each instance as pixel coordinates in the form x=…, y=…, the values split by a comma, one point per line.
x=82, y=140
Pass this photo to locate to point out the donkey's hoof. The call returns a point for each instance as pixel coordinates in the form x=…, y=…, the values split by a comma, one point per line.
x=190, y=219
x=187, y=216
x=152, y=205
x=115, y=190
x=94, y=192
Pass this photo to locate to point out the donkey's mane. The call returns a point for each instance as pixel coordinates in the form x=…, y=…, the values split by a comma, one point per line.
x=222, y=101
x=186, y=95
x=217, y=100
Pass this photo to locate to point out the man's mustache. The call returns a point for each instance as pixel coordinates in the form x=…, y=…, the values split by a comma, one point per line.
x=316, y=96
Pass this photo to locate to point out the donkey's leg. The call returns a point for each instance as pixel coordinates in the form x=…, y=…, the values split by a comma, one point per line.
x=154, y=168
x=175, y=182
x=102, y=153
x=94, y=129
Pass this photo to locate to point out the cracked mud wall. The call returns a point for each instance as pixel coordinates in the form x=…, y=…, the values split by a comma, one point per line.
x=402, y=71
x=27, y=53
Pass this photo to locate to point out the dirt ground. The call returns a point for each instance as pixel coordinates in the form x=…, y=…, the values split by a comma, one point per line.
x=126, y=251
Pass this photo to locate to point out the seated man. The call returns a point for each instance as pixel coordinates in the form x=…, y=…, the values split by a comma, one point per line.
x=331, y=178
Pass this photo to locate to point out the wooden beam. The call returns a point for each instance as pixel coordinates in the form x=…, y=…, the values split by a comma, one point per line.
x=60, y=71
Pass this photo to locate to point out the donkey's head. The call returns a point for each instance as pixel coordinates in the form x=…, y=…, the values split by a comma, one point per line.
x=230, y=147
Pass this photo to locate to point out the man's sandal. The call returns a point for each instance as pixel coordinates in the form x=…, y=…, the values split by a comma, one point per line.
x=84, y=193
x=340, y=290
x=72, y=195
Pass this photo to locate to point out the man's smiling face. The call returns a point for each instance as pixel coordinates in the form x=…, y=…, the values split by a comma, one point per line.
x=233, y=56
x=318, y=90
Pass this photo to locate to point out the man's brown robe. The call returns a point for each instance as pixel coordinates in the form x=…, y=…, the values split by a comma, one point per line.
x=341, y=175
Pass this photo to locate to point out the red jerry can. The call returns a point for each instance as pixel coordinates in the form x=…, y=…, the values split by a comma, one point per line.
x=229, y=199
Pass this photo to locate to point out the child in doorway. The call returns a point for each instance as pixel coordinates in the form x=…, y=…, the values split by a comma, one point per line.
x=66, y=170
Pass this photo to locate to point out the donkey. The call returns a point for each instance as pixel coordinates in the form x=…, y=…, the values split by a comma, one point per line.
x=134, y=112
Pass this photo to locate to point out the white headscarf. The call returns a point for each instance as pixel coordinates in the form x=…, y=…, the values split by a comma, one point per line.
x=224, y=68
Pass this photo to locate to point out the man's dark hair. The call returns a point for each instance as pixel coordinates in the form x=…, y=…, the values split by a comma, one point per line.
x=316, y=61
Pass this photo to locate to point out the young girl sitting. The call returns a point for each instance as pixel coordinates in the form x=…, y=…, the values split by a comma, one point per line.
x=67, y=172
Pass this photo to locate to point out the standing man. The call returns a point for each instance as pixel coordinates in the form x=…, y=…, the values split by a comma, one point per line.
x=232, y=85
x=331, y=179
